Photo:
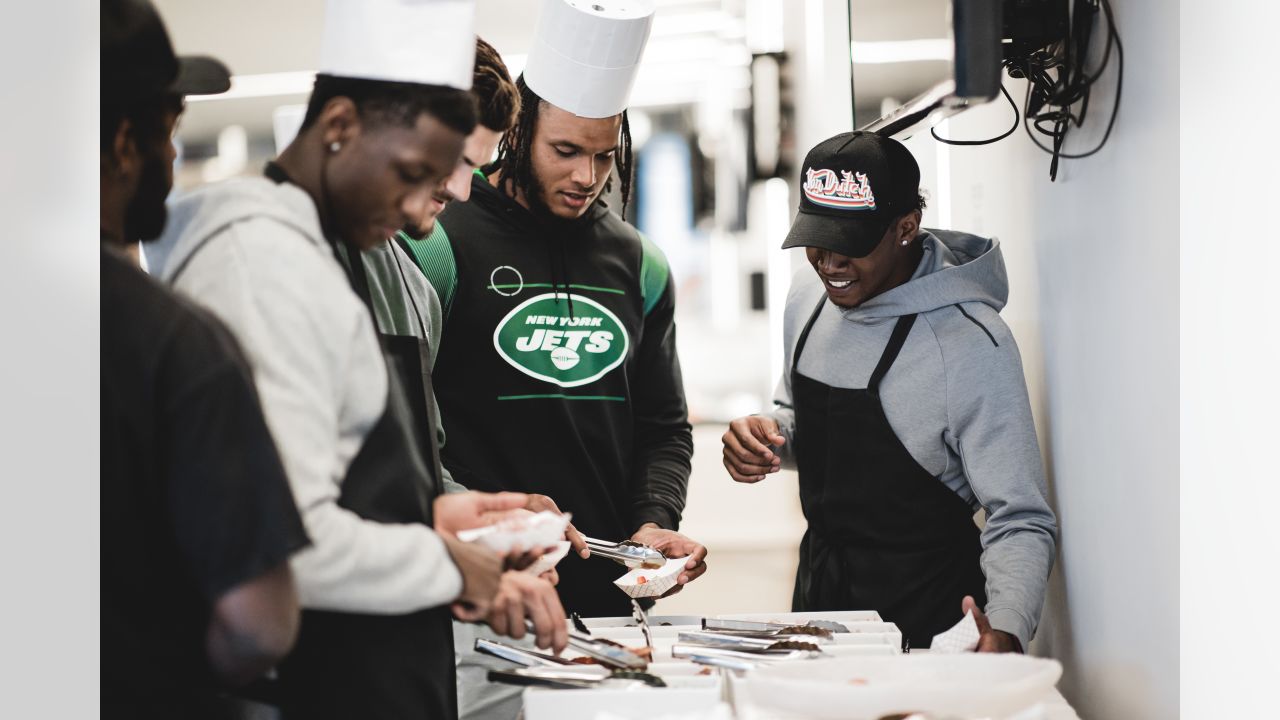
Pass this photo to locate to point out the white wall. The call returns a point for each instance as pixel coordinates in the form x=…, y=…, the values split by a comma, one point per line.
x=1093, y=265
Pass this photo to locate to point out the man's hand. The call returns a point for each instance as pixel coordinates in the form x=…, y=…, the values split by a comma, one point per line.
x=674, y=545
x=989, y=639
x=747, y=456
x=481, y=570
x=456, y=512
x=521, y=596
x=538, y=503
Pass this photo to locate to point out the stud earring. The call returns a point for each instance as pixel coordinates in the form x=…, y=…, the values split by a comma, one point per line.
x=335, y=146
x=906, y=242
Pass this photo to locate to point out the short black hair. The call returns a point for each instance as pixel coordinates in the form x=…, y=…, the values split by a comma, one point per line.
x=146, y=114
x=387, y=102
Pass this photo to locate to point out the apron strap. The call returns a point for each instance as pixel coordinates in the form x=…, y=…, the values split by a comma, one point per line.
x=896, y=341
x=354, y=267
x=360, y=280
x=804, y=334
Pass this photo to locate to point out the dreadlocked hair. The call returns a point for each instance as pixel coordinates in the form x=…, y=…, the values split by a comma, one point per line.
x=515, y=150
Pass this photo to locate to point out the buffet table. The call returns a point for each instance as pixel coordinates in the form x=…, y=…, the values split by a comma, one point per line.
x=699, y=692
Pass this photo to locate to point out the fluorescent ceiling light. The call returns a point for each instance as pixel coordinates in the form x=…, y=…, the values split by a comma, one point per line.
x=897, y=51
x=263, y=85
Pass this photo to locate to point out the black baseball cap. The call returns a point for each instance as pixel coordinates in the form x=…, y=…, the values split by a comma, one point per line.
x=138, y=59
x=854, y=185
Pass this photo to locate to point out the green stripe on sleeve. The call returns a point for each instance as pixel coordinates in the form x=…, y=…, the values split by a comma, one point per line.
x=653, y=273
x=434, y=256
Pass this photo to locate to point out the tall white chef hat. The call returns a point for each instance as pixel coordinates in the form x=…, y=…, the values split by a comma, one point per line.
x=432, y=42
x=585, y=54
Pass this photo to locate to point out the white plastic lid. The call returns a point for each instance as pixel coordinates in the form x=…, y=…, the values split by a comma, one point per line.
x=585, y=54
x=432, y=42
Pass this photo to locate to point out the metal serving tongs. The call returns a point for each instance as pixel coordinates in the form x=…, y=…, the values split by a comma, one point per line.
x=749, y=644
x=519, y=655
x=642, y=618
x=818, y=628
x=629, y=553
x=732, y=628
x=706, y=655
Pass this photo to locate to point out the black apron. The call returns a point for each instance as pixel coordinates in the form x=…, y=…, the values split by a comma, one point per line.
x=883, y=533
x=349, y=665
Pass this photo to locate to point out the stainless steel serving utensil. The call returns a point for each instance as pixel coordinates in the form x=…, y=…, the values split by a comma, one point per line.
x=684, y=651
x=518, y=655
x=628, y=553
x=749, y=643
x=826, y=627
x=812, y=634
x=643, y=619
x=602, y=651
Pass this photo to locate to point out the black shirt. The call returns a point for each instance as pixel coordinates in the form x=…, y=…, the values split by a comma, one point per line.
x=558, y=374
x=194, y=497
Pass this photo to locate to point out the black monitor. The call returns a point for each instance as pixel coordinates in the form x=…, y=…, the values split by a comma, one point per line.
x=916, y=62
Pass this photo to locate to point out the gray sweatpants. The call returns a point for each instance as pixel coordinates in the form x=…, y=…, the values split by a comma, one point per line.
x=479, y=699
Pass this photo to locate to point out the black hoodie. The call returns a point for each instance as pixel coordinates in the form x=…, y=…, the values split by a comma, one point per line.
x=557, y=373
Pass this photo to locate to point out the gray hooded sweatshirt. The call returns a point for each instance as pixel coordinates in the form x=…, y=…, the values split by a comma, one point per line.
x=252, y=251
x=955, y=397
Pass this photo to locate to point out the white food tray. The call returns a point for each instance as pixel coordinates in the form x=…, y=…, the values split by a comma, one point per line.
x=864, y=688
x=686, y=692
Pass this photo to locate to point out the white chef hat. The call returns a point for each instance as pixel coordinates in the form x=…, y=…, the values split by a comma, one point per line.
x=432, y=42
x=586, y=52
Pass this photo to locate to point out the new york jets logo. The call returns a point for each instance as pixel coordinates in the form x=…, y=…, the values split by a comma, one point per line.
x=539, y=339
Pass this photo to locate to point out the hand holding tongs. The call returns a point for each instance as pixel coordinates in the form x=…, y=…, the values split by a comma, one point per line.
x=605, y=653
x=629, y=553
x=602, y=651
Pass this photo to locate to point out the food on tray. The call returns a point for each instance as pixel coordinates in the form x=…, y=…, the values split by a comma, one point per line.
x=640, y=583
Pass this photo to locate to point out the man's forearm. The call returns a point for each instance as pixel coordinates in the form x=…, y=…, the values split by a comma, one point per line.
x=662, y=484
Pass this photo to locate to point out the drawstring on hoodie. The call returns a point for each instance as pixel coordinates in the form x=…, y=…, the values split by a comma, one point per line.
x=560, y=272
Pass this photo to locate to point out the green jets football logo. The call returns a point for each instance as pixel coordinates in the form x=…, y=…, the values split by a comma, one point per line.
x=539, y=339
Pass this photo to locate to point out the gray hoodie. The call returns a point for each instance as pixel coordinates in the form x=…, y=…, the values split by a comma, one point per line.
x=956, y=397
x=252, y=252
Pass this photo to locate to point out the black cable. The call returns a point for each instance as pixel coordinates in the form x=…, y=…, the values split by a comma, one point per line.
x=1071, y=84
x=1017, y=120
x=1113, y=36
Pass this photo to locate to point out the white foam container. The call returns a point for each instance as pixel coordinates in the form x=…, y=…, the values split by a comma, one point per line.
x=966, y=685
x=686, y=692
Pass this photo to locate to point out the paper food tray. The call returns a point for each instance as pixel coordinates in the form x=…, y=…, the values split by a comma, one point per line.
x=656, y=582
x=527, y=531
x=865, y=688
x=550, y=560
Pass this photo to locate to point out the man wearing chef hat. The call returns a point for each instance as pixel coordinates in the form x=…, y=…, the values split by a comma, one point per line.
x=557, y=372
x=384, y=128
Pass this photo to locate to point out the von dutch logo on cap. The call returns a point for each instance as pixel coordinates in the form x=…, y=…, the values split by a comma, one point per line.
x=585, y=54
x=432, y=42
x=848, y=190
